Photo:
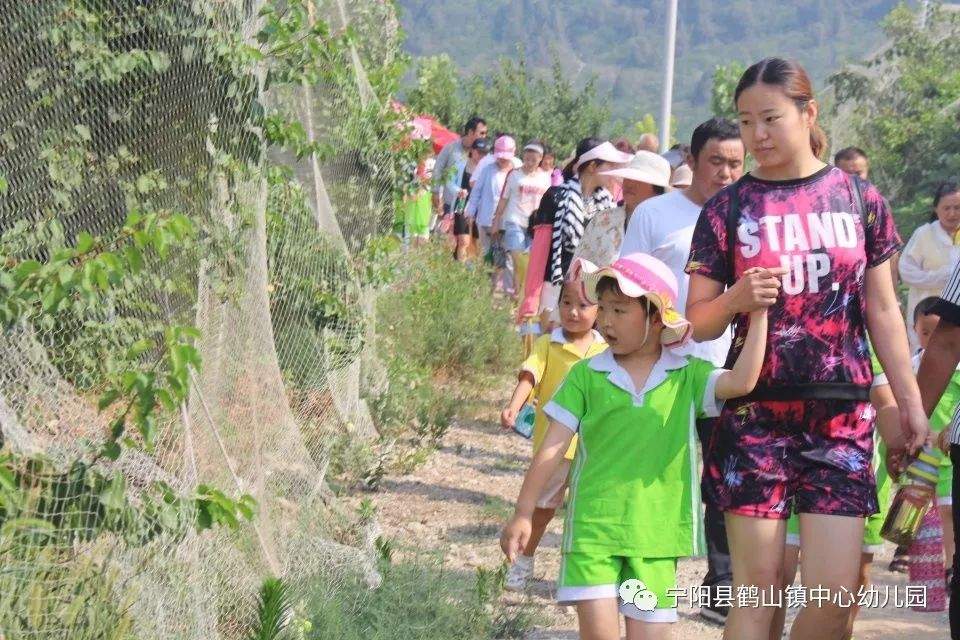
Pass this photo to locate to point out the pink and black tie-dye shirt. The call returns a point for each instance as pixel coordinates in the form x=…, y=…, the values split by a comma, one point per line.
x=811, y=226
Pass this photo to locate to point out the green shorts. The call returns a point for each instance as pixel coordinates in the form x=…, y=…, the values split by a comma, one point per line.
x=872, y=542
x=642, y=584
x=945, y=485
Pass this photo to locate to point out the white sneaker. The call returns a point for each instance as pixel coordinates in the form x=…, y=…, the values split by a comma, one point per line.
x=519, y=574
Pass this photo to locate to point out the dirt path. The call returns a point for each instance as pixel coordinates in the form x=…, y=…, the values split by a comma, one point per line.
x=458, y=501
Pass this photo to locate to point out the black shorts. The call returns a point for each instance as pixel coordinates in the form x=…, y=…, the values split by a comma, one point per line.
x=462, y=226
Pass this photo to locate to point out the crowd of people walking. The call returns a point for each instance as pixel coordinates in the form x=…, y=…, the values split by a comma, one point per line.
x=717, y=360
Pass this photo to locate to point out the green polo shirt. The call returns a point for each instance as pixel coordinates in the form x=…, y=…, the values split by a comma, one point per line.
x=634, y=486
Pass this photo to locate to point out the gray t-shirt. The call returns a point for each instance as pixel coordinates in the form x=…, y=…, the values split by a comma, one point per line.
x=445, y=174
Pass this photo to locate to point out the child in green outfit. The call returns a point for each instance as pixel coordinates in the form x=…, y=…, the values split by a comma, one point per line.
x=634, y=505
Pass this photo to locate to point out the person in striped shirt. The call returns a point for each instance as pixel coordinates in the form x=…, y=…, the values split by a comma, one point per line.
x=937, y=367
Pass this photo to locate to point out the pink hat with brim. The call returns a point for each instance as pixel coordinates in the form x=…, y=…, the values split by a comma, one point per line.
x=640, y=275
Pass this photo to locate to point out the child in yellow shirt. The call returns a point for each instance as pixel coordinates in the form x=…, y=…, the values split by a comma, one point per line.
x=542, y=372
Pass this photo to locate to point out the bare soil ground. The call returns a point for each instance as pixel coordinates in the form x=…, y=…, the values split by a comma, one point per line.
x=459, y=500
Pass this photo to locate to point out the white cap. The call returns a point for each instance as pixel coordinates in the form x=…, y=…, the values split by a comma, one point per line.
x=605, y=152
x=644, y=167
x=533, y=146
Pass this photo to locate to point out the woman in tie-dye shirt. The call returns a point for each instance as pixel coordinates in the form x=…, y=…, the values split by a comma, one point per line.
x=815, y=246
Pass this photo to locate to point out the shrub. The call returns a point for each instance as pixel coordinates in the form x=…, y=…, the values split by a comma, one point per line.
x=441, y=314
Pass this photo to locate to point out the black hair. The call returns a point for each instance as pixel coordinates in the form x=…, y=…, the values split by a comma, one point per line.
x=582, y=147
x=472, y=124
x=924, y=308
x=657, y=189
x=849, y=153
x=577, y=284
x=713, y=129
x=609, y=284
x=944, y=189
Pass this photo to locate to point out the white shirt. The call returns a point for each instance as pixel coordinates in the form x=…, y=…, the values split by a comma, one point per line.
x=523, y=193
x=447, y=182
x=663, y=228
x=925, y=266
x=485, y=195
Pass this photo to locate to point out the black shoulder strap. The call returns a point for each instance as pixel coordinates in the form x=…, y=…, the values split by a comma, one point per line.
x=733, y=219
x=858, y=199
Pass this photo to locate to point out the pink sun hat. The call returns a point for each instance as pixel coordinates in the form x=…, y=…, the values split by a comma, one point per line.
x=640, y=275
x=504, y=148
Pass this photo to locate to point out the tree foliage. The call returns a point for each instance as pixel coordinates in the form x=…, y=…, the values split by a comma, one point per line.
x=438, y=90
x=725, y=79
x=905, y=106
x=621, y=41
x=515, y=98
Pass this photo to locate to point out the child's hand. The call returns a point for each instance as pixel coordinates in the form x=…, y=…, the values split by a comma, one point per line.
x=897, y=462
x=943, y=441
x=508, y=418
x=757, y=287
x=515, y=536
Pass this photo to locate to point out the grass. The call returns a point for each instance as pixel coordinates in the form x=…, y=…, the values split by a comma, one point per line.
x=419, y=599
x=496, y=508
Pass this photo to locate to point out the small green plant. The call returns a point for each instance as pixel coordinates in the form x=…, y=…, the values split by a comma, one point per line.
x=274, y=612
x=489, y=584
x=384, y=549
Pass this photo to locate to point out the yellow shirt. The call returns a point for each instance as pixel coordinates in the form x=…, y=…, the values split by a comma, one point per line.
x=549, y=362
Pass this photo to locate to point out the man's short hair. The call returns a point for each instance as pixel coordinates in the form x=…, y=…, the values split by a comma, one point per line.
x=715, y=128
x=924, y=307
x=849, y=153
x=472, y=124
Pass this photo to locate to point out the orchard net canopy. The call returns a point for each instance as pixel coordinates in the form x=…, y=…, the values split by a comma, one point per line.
x=257, y=123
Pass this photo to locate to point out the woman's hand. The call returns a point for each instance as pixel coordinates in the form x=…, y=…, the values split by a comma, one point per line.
x=515, y=536
x=757, y=288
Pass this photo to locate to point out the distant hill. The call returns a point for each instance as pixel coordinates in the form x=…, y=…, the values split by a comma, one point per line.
x=622, y=41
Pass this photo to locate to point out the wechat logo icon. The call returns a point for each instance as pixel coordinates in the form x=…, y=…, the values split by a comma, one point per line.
x=636, y=593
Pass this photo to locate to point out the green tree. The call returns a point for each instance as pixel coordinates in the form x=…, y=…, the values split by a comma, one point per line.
x=514, y=98
x=438, y=90
x=725, y=79
x=649, y=124
x=904, y=107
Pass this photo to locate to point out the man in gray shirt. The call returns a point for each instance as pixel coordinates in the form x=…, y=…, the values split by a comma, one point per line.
x=451, y=157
